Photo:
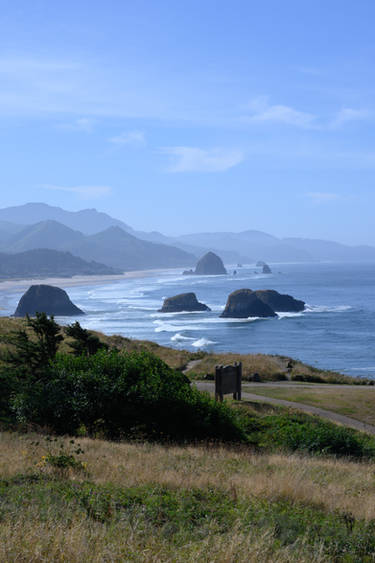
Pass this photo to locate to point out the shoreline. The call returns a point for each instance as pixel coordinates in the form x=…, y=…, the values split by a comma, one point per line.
x=20, y=284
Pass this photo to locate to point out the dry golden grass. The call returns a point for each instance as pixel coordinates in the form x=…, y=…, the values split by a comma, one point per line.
x=353, y=401
x=335, y=484
x=327, y=483
x=33, y=541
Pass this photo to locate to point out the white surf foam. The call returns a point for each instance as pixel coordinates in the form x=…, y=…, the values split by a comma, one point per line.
x=173, y=327
x=327, y=308
x=175, y=314
x=180, y=338
x=286, y=315
x=202, y=343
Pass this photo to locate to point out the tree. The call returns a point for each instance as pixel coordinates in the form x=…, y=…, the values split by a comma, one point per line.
x=29, y=357
x=84, y=342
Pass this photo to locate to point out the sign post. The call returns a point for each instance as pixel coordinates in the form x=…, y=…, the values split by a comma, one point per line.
x=228, y=380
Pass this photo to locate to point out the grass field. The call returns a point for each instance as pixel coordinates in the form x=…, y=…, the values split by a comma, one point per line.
x=356, y=402
x=142, y=502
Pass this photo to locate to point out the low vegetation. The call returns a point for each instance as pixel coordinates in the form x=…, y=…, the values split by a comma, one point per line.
x=186, y=479
x=144, y=502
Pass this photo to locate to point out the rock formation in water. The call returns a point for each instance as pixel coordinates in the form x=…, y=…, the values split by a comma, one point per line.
x=244, y=303
x=46, y=299
x=280, y=302
x=183, y=302
x=266, y=269
x=210, y=265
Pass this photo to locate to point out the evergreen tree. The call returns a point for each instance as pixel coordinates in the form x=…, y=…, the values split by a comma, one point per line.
x=28, y=356
x=84, y=342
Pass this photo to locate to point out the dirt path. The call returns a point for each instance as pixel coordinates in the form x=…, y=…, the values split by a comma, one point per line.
x=333, y=416
x=191, y=365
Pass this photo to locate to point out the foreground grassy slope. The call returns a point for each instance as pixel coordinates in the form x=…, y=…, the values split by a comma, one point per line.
x=142, y=502
x=269, y=367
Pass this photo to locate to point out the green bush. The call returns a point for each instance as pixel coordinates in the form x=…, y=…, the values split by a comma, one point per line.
x=308, y=378
x=124, y=395
x=303, y=433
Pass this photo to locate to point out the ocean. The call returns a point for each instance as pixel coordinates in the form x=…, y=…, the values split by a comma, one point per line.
x=336, y=331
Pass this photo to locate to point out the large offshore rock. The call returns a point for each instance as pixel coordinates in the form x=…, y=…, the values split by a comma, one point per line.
x=46, y=299
x=244, y=303
x=210, y=265
x=183, y=302
x=280, y=302
x=266, y=269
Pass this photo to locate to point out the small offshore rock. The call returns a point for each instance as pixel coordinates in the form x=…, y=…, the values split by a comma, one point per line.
x=183, y=302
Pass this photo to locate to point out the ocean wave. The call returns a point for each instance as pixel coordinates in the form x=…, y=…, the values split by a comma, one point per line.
x=202, y=343
x=160, y=315
x=327, y=308
x=141, y=307
x=180, y=338
x=202, y=324
x=287, y=315
x=169, y=327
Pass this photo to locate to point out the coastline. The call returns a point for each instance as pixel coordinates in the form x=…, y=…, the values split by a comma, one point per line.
x=21, y=284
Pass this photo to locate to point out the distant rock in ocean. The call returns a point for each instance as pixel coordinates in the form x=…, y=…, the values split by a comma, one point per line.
x=266, y=269
x=183, y=302
x=245, y=303
x=260, y=264
x=210, y=265
x=280, y=302
x=46, y=299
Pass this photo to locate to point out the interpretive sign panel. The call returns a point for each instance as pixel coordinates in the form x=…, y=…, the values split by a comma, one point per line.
x=228, y=380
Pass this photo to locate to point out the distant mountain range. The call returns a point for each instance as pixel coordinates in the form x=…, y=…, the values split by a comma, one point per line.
x=46, y=262
x=88, y=221
x=93, y=235
x=113, y=246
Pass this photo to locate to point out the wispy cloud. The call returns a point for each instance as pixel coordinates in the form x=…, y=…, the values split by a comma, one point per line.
x=346, y=115
x=134, y=138
x=193, y=159
x=83, y=124
x=260, y=110
x=85, y=192
x=322, y=197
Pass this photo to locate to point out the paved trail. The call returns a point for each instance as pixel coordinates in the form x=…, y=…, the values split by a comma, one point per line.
x=335, y=417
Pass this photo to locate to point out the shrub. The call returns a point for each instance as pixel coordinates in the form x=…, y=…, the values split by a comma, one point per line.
x=308, y=378
x=125, y=395
x=300, y=432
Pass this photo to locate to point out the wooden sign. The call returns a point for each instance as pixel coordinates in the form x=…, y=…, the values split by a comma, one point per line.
x=228, y=380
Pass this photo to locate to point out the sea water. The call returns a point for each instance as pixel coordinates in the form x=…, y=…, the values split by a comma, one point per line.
x=336, y=330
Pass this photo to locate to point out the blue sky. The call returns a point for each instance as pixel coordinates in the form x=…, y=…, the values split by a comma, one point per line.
x=193, y=115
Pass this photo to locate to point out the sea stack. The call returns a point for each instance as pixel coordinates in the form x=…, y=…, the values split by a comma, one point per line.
x=46, y=299
x=210, y=265
x=266, y=269
x=280, y=302
x=183, y=302
x=244, y=303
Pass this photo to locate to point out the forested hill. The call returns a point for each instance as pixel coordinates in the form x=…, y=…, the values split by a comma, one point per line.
x=47, y=262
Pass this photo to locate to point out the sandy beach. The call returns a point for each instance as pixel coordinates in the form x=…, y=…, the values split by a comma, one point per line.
x=14, y=285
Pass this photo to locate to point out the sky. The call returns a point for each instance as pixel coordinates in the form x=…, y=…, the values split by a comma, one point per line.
x=193, y=115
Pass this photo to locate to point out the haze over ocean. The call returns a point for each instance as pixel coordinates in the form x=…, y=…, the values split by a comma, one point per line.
x=335, y=332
